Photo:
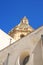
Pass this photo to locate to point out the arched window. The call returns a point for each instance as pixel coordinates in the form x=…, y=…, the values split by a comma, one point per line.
x=22, y=35
x=24, y=58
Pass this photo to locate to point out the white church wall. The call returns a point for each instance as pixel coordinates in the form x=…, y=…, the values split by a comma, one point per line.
x=38, y=54
x=26, y=43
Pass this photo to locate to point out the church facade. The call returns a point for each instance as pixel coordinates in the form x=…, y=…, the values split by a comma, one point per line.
x=26, y=48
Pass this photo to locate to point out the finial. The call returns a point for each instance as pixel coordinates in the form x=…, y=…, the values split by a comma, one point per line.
x=24, y=17
x=25, y=20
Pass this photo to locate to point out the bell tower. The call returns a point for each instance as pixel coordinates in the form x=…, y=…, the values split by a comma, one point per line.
x=22, y=29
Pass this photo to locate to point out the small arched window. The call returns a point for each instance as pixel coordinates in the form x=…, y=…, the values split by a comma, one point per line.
x=22, y=35
x=24, y=58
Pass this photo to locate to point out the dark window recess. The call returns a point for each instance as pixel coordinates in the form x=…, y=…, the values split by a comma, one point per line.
x=7, y=60
x=26, y=59
x=42, y=39
x=22, y=35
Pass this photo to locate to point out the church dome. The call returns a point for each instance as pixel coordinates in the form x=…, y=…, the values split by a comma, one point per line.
x=24, y=25
x=22, y=29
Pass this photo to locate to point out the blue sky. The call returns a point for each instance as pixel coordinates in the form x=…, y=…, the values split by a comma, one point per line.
x=11, y=11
